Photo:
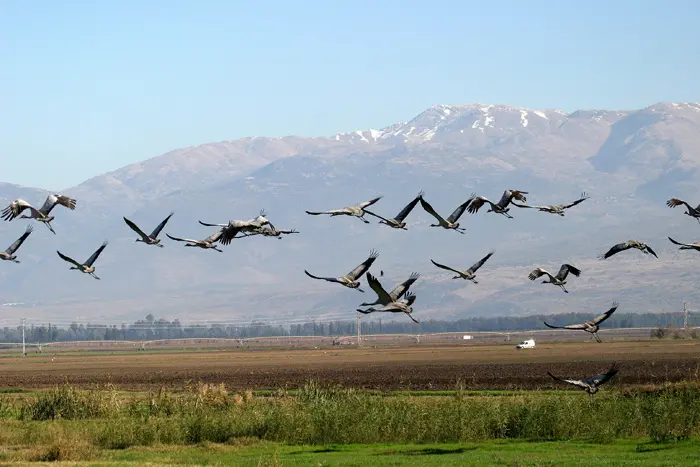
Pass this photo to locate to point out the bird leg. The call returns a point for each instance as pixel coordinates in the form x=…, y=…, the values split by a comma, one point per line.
x=595, y=334
x=563, y=288
x=363, y=219
x=460, y=230
x=15, y=261
x=93, y=275
x=412, y=318
x=474, y=281
x=360, y=290
x=50, y=228
x=159, y=245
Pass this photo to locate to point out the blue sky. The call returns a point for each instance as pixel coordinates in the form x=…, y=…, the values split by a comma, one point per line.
x=87, y=87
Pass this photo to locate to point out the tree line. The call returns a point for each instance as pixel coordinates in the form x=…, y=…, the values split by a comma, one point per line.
x=151, y=328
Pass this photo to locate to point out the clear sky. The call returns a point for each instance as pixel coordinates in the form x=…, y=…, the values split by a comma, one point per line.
x=89, y=86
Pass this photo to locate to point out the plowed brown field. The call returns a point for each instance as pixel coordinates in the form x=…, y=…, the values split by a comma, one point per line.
x=419, y=367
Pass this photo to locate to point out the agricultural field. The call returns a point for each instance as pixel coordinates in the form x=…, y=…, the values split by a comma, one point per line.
x=472, y=404
x=477, y=367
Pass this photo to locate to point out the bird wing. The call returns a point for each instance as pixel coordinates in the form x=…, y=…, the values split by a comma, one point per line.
x=376, y=215
x=369, y=203
x=329, y=279
x=678, y=243
x=97, y=252
x=212, y=225
x=599, y=319
x=528, y=205
x=54, y=199
x=648, y=248
x=17, y=243
x=16, y=207
x=508, y=196
x=160, y=226
x=135, y=228
x=604, y=377
x=429, y=209
x=616, y=249
x=384, y=297
x=408, y=208
x=477, y=202
x=575, y=382
x=403, y=287
x=480, y=263
x=362, y=268
x=565, y=269
x=457, y=213
x=218, y=235
x=570, y=326
x=227, y=234
x=538, y=273
x=673, y=202
x=332, y=211
x=410, y=298
x=69, y=259
x=442, y=266
x=177, y=239
x=583, y=198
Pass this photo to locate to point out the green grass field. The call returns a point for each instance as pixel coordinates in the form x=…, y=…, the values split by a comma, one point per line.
x=320, y=425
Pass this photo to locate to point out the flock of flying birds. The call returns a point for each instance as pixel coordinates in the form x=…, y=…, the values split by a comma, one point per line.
x=400, y=299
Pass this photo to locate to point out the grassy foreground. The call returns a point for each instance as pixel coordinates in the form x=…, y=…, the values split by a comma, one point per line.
x=207, y=424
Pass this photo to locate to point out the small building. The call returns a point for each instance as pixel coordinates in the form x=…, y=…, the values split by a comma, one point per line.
x=467, y=337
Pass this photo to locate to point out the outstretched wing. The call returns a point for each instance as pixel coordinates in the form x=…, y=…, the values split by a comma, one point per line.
x=480, y=263
x=54, y=199
x=376, y=215
x=216, y=236
x=606, y=315
x=616, y=249
x=332, y=211
x=177, y=239
x=565, y=269
x=429, y=209
x=384, y=298
x=679, y=243
x=369, y=203
x=329, y=279
x=69, y=259
x=212, y=225
x=362, y=268
x=135, y=228
x=442, y=266
x=575, y=382
x=97, y=252
x=16, y=207
x=160, y=226
x=538, y=273
x=527, y=205
x=477, y=202
x=410, y=298
x=403, y=287
x=583, y=198
x=508, y=196
x=604, y=377
x=570, y=326
x=648, y=248
x=457, y=213
x=408, y=208
x=17, y=243
x=673, y=202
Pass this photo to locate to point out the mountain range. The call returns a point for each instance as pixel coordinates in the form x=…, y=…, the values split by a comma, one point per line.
x=629, y=162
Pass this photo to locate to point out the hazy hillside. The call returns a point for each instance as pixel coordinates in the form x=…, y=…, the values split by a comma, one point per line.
x=629, y=161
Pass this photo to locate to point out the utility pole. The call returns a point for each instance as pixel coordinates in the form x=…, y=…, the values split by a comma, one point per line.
x=359, y=330
x=24, y=348
x=380, y=325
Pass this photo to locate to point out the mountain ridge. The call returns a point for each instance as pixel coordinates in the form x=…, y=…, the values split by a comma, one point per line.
x=554, y=157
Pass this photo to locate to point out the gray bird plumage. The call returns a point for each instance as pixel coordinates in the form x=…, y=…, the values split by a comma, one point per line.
x=592, y=326
x=9, y=254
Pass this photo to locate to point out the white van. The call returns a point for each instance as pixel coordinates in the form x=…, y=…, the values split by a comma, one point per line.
x=527, y=344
